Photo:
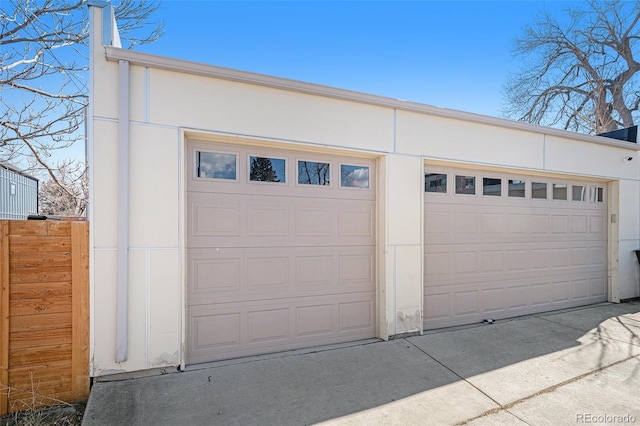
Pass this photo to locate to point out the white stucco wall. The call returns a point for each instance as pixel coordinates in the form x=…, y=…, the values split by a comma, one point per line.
x=164, y=104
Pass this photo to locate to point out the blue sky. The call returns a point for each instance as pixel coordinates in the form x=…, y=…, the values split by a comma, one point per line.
x=453, y=54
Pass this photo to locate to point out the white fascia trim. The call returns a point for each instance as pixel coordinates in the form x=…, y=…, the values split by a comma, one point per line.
x=196, y=68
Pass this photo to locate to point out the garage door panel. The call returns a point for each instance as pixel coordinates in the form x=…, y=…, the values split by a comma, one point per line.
x=267, y=272
x=268, y=325
x=491, y=261
x=451, y=263
x=216, y=274
x=316, y=271
x=267, y=221
x=444, y=313
x=260, y=189
x=560, y=224
x=580, y=289
x=436, y=264
x=465, y=303
x=249, y=328
x=215, y=330
x=507, y=277
x=505, y=256
x=221, y=220
x=314, y=222
x=315, y=320
x=231, y=274
x=207, y=220
x=598, y=256
x=356, y=316
x=597, y=224
x=561, y=291
x=598, y=288
x=473, y=301
x=493, y=300
x=533, y=218
x=540, y=294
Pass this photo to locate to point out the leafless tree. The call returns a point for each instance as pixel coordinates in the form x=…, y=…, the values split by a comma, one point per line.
x=53, y=199
x=43, y=81
x=579, y=70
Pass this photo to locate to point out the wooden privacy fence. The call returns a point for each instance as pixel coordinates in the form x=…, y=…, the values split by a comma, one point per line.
x=44, y=313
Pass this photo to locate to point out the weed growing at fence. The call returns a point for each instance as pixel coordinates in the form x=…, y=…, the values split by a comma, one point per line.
x=59, y=415
x=36, y=409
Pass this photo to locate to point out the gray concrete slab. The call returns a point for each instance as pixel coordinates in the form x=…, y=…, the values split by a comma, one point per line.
x=301, y=389
x=609, y=396
x=510, y=360
x=493, y=374
x=613, y=321
x=503, y=418
x=450, y=404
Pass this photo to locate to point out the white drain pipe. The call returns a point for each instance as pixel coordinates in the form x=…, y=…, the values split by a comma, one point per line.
x=122, y=301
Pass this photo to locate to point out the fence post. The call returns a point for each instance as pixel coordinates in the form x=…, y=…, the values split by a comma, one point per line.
x=80, y=310
x=4, y=316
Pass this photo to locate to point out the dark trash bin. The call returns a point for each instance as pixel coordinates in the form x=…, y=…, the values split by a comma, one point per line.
x=637, y=255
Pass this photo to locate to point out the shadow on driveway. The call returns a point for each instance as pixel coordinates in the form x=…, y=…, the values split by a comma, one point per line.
x=442, y=377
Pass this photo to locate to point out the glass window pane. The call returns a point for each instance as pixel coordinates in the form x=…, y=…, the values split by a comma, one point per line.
x=215, y=166
x=516, y=188
x=492, y=186
x=539, y=190
x=312, y=173
x=264, y=169
x=465, y=185
x=578, y=193
x=435, y=182
x=559, y=191
x=354, y=176
x=597, y=194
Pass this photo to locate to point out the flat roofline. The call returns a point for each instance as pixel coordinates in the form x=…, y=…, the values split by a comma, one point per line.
x=16, y=170
x=196, y=68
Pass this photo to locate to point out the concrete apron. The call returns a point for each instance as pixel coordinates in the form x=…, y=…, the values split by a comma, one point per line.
x=569, y=367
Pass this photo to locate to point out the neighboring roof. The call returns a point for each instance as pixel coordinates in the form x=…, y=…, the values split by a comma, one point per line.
x=629, y=134
x=188, y=67
x=14, y=169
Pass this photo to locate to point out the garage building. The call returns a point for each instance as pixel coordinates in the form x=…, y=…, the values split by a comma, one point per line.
x=237, y=214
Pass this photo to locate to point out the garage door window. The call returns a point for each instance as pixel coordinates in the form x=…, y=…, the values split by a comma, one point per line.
x=265, y=169
x=539, y=190
x=435, y=182
x=314, y=173
x=578, y=193
x=465, y=185
x=597, y=194
x=213, y=165
x=492, y=187
x=516, y=188
x=354, y=176
x=559, y=191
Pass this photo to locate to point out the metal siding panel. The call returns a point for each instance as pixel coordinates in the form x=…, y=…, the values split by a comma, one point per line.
x=20, y=205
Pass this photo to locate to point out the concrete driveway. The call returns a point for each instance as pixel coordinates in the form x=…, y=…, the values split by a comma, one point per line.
x=579, y=366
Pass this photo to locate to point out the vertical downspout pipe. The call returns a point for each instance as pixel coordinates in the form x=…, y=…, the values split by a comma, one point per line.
x=122, y=301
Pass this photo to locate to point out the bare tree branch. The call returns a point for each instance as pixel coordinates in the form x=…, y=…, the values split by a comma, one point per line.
x=43, y=81
x=580, y=73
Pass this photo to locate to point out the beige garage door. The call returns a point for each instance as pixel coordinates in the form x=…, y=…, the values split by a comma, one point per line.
x=501, y=245
x=280, y=250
